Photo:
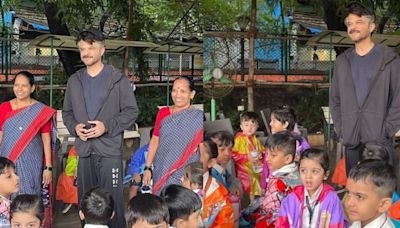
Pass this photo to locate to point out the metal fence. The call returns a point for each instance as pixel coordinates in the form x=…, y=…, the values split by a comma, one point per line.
x=17, y=55
x=272, y=56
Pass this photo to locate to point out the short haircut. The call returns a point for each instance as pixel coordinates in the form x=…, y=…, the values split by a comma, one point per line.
x=249, y=116
x=194, y=172
x=377, y=172
x=182, y=202
x=283, y=141
x=147, y=207
x=225, y=137
x=285, y=115
x=189, y=80
x=28, y=75
x=5, y=163
x=317, y=154
x=360, y=9
x=212, y=149
x=90, y=35
x=97, y=206
x=373, y=150
x=27, y=203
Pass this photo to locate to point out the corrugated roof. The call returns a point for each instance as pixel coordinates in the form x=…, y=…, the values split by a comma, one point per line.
x=340, y=38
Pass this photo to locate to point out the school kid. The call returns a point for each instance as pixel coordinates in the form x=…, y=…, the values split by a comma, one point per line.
x=284, y=176
x=97, y=208
x=136, y=166
x=66, y=190
x=284, y=120
x=217, y=210
x=248, y=153
x=9, y=183
x=184, y=206
x=27, y=211
x=224, y=169
x=314, y=203
x=147, y=211
x=370, y=185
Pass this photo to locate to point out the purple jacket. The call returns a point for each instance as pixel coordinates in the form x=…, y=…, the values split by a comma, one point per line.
x=291, y=212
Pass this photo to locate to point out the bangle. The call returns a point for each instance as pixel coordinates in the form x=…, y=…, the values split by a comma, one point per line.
x=49, y=168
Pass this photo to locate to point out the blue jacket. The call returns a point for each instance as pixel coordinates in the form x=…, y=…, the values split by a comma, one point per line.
x=138, y=160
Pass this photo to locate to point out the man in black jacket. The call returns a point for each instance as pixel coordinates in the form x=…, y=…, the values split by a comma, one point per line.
x=99, y=105
x=365, y=91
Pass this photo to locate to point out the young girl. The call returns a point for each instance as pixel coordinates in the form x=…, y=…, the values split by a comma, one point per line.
x=9, y=183
x=315, y=203
x=27, y=211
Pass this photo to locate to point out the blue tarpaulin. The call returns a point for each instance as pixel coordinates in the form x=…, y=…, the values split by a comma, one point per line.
x=39, y=26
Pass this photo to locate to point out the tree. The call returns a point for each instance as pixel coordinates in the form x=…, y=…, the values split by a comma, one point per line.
x=69, y=59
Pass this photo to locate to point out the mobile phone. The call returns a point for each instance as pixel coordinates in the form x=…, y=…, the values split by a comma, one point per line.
x=88, y=126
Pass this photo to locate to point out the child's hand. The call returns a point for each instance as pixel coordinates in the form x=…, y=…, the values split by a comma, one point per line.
x=250, y=158
x=235, y=191
x=137, y=178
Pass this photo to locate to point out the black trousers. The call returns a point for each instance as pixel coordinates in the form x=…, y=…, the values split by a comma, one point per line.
x=106, y=173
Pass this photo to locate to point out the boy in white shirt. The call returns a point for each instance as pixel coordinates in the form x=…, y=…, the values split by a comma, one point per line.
x=370, y=187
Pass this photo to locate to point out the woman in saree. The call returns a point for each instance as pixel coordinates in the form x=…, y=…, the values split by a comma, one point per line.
x=178, y=130
x=26, y=136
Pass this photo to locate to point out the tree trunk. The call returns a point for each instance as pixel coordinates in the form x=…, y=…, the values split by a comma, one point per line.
x=128, y=35
x=250, y=80
x=333, y=20
x=69, y=59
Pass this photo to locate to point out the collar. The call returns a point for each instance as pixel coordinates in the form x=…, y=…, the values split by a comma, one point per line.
x=381, y=222
x=314, y=197
x=95, y=226
x=292, y=167
x=5, y=200
x=219, y=168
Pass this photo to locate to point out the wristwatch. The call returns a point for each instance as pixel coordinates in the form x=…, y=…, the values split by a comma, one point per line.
x=148, y=168
x=49, y=168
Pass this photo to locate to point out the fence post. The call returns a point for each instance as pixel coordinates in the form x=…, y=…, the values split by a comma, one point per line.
x=51, y=72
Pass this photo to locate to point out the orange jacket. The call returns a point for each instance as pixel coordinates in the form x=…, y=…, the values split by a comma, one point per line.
x=216, y=195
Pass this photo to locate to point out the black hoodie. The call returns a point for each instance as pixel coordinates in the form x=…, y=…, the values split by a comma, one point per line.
x=378, y=118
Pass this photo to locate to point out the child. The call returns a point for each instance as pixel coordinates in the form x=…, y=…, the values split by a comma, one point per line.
x=97, y=208
x=285, y=120
x=247, y=154
x=66, y=184
x=135, y=170
x=284, y=176
x=315, y=203
x=184, y=206
x=217, y=209
x=224, y=169
x=9, y=183
x=208, y=154
x=370, y=186
x=27, y=211
x=379, y=151
x=147, y=210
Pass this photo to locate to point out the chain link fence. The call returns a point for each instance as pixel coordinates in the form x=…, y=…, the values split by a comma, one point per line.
x=17, y=55
x=289, y=57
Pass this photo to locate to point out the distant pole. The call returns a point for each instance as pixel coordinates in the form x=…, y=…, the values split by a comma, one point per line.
x=252, y=34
